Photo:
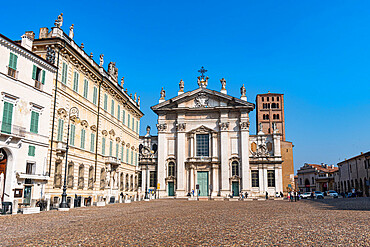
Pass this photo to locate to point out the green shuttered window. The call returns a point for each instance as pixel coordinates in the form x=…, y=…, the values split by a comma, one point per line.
x=103, y=146
x=105, y=102
x=110, y=148
x=64, y=73
x=128, y=120
x=31, y=150
x=6, y=125
x=83, y=133
x=13, y=61
x=92, y=142
x=112, y=108
x=95, y=96
x=127, y=154
x=75, y=82
x=123, y=117
x=34, y=122
x=117, y=150
x=72, y=135
x=60, y=129
x=121, y=153
x=86, y=88
x=118, y=112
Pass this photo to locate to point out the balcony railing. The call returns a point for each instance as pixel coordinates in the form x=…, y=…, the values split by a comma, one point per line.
x=11, y=129
x=38, y=85
x=12, y=72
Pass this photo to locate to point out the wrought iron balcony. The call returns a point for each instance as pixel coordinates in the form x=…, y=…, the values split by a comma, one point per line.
x=112, y=160
x=38, y=85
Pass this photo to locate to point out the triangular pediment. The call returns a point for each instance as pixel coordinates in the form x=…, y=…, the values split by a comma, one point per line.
x=202, y=129
x=202, y=98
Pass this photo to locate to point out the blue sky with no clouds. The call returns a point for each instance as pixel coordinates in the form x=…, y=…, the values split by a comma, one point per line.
x=315, y=52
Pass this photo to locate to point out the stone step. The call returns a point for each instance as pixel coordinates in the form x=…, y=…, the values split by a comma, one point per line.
x=31, y=210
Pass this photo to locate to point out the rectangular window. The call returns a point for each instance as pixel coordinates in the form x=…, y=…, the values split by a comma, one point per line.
x=127, y=154
x=30, y=168
x=60, y=129
x=122, y=153
x=75, y=82
x=31, y=150
x=110, y=148
x=153, y=179
x=255, y=179
x=34, y=122
x=105, y=101
x=6, y=125
x=92, y=142
x=135, y=158
x=133, y=124
x=86, y=88
x=137, y=127
x=128, y=120
x=271, y=178
x=103, y=146
x=112, y=108
x=117, y=150
x=12, y=68
x=123, y=117
x=202, y=145
x=38, y=75
x=132, y=157
x=72, y=135
x=83, y=133
x=118, y=112
x=95, y=96
x=64, y=73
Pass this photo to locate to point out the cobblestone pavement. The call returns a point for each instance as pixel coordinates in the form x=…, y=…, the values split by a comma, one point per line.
x=326, y=222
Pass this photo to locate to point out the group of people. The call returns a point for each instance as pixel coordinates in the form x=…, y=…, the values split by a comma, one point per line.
x=293, y=196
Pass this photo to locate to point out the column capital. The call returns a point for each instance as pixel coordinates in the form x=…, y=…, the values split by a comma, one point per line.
x=180, y=127
x=244, y=125
x=162, y=127
x=224, y=126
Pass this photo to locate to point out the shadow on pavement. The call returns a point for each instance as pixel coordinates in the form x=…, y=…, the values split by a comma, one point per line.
x=359, y=203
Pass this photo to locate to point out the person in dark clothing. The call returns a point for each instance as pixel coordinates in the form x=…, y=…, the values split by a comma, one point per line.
x=267, y=195
x=281, y=194
x=246, y=194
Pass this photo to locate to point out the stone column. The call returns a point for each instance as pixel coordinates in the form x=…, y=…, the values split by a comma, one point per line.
x=244, y=156
x=224, y=140
x=162, y=155
x=279, y=179
x=180, y=155
x=215, y=180
x=191, y=171
x=214, y=146
x=192, y=145
x=144, y=176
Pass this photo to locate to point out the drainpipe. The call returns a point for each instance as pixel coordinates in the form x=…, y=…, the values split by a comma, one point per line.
x=97, y=131
x=54, y=109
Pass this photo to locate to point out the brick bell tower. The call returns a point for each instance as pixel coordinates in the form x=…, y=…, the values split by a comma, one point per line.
x=269, y=110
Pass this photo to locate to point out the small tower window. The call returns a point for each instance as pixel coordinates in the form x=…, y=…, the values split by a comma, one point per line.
x=263, y=99
x=272, y=98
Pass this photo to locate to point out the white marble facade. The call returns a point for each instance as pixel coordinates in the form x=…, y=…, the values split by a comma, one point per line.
x=204, y=140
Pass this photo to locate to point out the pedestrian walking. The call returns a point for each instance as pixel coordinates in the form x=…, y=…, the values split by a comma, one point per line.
x=295, y=195
x=267, y=195
x=246, y=194
x=281, y=194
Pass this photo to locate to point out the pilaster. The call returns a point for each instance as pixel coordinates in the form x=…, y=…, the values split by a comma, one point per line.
x=225, y=186
x=244, y=155
x=162, y=154
x=180, y=191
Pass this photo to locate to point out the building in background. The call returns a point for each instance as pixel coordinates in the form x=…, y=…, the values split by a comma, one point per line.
x=204, y=145
x=270, y=112
x=148, y=164
x=354, y=175
x=104, y=135
x=26, y=96
x=312, y=177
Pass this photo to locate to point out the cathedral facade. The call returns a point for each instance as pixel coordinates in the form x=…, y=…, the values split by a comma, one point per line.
x=204, y=145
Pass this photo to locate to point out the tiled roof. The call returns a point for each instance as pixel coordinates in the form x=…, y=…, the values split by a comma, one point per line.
x=324, y=169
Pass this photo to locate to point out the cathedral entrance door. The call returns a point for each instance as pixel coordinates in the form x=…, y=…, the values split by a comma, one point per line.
x=171, y=190
x=235, y=188
x=203, y=183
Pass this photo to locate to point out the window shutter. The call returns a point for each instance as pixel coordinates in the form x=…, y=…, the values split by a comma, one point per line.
x=82, y=144
x=34, y=72
x=34, y=122
x=112, y=108
x=31, y=150
x=103, y=146
x=117, y=150
x=105, y=102
x=110, y=148
x=92, y=142
x=15, y=60
x=6, y=126
x=43, y=77
x=95, y=95
x=60, y=129
x=86, y=88
x=132, y=157
x=122, y=153
x=11, y=60
x=123, y=117
x=127, y=153
x=73, y=131
x=118, y=112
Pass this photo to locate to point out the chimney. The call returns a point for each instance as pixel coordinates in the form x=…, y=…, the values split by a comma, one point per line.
x=44, y=33
x=27, y=40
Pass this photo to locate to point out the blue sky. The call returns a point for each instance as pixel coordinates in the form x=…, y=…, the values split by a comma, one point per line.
x=315, y=52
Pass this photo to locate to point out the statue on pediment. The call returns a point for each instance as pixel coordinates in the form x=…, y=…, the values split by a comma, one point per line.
x=101, y=58
x=113, y=70
x=59, y=21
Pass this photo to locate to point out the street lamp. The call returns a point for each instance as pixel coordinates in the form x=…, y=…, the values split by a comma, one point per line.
x=63, y=205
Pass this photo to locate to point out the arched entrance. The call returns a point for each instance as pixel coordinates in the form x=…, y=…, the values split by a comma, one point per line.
x=307, y=185
x=3, y=166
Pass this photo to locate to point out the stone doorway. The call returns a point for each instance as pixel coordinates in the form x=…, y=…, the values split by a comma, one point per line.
x=202, y=180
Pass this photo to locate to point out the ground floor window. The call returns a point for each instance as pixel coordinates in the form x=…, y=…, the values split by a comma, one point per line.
x=255, y=179
x=271, y=178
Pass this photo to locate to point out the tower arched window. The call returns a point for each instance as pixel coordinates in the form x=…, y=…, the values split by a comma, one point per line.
x=277, y=105
x=273, y=105
x=267, y=116
x=277, y=116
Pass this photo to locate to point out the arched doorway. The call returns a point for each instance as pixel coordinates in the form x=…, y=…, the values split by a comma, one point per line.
x=307, y=185
x=3, y=166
